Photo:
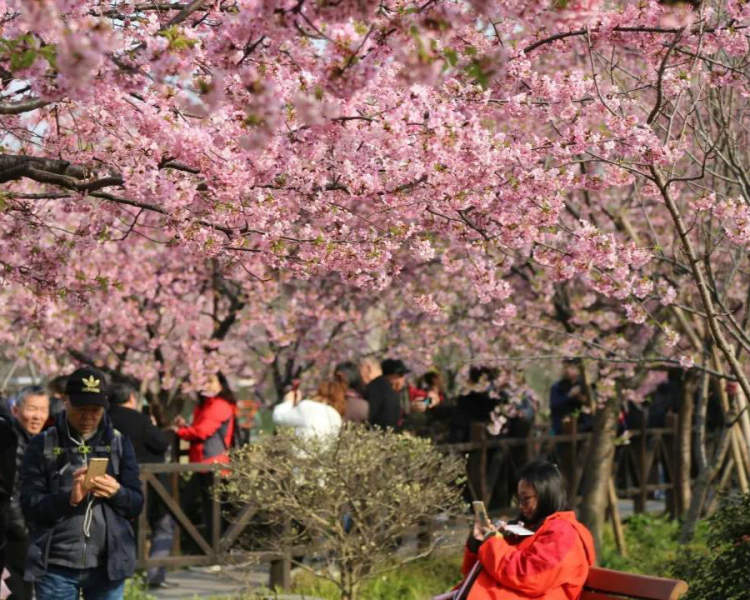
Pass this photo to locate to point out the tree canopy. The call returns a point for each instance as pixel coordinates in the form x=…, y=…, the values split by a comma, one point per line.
x=187, y=182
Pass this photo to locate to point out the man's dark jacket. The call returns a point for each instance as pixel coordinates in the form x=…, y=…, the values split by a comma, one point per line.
x=149, y=442
x=385, y=405
x=45, y=499
x=17, y=442
x=7, y=475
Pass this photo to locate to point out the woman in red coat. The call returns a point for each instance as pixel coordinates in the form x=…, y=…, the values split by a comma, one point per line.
x=210, y=435
x=551, y=564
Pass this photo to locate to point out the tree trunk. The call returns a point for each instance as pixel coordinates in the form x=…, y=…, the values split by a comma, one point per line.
x=350, y=587
x=702, y=486
x=684, y=458
x=600, y=460
x=742, y=409
x=705, y=474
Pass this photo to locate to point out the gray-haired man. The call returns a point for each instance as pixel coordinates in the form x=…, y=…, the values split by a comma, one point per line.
x=30, y=412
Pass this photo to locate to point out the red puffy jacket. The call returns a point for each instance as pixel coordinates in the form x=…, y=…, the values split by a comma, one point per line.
x=210, y=433
x=552, y=564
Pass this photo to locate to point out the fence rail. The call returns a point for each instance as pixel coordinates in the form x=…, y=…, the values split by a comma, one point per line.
x=645, y=464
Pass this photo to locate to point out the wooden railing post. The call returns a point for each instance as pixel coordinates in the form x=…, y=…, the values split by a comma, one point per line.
x=674, y=460
x=570, y=457
x=280, y=576
x=174, y=486
x=639, y=500
x=477, y=464
x=425, y=534
x=614, y=512
x=143, y=524
x=483, y=491
x=215, y=516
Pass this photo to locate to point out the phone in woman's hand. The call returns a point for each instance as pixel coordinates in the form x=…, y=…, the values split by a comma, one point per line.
x=480, y=515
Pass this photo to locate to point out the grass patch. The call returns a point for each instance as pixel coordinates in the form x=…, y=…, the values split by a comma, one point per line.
x=419, y=580
x=652, y=545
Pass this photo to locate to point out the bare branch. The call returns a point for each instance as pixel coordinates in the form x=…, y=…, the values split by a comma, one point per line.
x=185, y=13
x=660, y=80
x=16, y=108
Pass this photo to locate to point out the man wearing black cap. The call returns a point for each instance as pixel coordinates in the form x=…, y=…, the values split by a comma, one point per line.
x=81, y=539
x=383, y=394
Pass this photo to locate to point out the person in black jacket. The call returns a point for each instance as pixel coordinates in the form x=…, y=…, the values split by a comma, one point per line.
x=150, y=444
x=382, y=393
x=30, y=412
x=81, y=537
x=7, y=469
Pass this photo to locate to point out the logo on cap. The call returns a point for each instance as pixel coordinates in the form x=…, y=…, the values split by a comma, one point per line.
x=91, y=384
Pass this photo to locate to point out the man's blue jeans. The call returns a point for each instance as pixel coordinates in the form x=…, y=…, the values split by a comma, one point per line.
x=61, y=583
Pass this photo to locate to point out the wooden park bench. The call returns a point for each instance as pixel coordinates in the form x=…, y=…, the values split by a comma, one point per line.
x=606, y=584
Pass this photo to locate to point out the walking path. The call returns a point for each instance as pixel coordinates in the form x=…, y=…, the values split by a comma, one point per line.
x=199, y=582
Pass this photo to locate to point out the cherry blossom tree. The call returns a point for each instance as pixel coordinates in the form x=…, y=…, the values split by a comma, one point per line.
x=558, y=178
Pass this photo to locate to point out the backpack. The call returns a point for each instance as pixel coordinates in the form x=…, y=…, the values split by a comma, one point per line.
x=54, y=454
x=216, y=444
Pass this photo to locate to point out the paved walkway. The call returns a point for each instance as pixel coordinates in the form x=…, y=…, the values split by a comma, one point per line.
x=202, y=583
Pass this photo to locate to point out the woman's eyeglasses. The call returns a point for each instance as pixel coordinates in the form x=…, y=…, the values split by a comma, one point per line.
x=523, y=500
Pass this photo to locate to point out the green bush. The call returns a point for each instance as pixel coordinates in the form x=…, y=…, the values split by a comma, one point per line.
x=723, y=571
x=135, y=589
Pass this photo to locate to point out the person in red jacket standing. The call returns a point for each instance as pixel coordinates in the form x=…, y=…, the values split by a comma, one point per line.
x=551, y=564
x=210, y=435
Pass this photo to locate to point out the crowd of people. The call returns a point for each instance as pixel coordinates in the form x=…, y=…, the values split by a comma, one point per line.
x=65, y=531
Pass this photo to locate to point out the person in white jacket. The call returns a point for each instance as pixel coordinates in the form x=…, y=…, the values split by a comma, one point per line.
x=308, y=417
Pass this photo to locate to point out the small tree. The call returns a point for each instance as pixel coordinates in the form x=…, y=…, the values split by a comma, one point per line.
x=350, y=497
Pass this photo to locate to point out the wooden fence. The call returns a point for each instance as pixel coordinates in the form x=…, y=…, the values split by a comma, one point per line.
x=647, y=463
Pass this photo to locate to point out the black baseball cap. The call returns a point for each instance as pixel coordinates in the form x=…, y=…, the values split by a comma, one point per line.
x=394, y=366
x=87, y=386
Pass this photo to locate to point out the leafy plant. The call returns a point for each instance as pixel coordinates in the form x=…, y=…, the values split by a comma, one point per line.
x=721, y=572
x=135, y=589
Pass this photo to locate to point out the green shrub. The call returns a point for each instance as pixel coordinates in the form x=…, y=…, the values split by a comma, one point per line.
x=135, y=589
x=723, y=571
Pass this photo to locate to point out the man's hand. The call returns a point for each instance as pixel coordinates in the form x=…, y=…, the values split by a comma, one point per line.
x=105, y=486
x=78, y=493
x=179, y=421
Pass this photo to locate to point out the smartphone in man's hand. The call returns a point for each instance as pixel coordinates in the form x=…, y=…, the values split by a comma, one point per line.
x=97, y=468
